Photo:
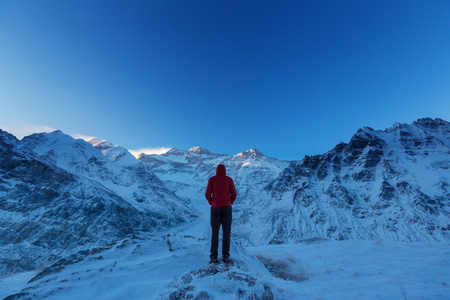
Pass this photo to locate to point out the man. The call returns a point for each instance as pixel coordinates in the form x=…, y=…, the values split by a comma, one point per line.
x=221, y=194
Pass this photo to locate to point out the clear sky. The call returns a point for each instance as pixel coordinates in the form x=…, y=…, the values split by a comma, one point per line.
x=290, y=78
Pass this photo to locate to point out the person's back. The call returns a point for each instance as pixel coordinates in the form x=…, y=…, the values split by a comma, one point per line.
x=222, y=189
x=221, y=194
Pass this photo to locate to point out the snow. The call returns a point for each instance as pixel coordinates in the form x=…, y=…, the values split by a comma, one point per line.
x=157, y=266
x=186, y=172
x=368, y=270
x=113, y=167
x=374, y=263
x=10, y=285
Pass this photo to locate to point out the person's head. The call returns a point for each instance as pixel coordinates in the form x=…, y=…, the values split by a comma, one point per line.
x=221, y=171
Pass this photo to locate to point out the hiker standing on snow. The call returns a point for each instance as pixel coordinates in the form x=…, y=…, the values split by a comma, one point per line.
x=220, y=194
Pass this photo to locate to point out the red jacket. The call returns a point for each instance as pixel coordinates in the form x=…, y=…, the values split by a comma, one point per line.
x=222, y=189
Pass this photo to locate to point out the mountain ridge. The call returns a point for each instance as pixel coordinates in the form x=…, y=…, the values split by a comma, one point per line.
x=378, y=172
x=58, y=194
x=390, y=184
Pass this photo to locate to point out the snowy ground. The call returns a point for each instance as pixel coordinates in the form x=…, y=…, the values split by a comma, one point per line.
x=175, y=266
x=367, y=269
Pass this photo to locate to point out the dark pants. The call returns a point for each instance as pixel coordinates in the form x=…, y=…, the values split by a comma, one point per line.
x=220, y=216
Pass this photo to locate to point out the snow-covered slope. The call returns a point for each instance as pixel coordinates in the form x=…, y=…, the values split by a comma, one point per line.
x=175, y=267
x=382, y=185
x=57, y=194
x=113, y=167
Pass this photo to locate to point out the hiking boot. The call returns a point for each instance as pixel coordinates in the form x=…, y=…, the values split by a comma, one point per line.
x=226, y=258
x=213, y=260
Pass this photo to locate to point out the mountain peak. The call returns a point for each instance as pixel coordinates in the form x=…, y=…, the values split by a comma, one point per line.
x=251, y=153
x=431, y=123
x=199, y=150
x=54, y=134
x=174, y=151
x=7, y=139
x=101, y=144
x=422, y=122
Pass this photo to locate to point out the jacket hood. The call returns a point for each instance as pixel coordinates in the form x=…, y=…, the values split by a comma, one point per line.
x=221, y=171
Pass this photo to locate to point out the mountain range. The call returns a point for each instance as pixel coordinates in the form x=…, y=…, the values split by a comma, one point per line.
x=59, y=195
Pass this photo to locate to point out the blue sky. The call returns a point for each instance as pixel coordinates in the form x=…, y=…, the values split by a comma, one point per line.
x=290, y=78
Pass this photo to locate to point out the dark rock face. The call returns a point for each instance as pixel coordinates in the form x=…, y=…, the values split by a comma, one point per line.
x=388, y=185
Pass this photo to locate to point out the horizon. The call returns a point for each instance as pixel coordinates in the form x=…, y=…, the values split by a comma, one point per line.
x=290, y=79
x=159, y=151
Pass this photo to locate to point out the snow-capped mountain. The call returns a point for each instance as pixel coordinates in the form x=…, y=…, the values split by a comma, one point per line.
x=114, y=153
x=70, y=211
x=382, y=185
x=187, y=172
x=58, y=193
x=113, y=167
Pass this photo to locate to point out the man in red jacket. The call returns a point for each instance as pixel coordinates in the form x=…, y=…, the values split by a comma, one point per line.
x=220, y=194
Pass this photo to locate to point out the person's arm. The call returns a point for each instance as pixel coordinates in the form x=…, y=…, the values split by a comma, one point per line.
x=208, y=192
x=233, y=191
